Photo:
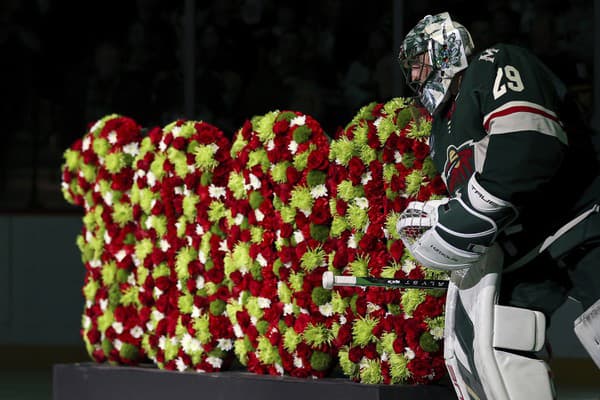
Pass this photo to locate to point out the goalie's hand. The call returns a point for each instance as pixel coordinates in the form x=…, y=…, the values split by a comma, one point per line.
x=445, y=234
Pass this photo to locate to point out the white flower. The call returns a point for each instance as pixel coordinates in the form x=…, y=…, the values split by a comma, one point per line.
x=362, y=202
x=384, y=356
x=377, y=121
x=409, y=353
x=199, y=229
x=326, y=309
x=253, y=320
x=157, y=292
x=261, y=260
x=437, y=332
x=179, y=285
x=254, y=182
x=87, y=141
x=131, y=279
x=288, y=309
x=318, y=191
x=148, y=222
x=372, y=307
x=408, y=266
x=298, y=120
x=86, y=322
x=216, y=191
x=112, y=137
x=195, y=312
x=132, y=149
x=162, y=146
x=140, y=173
x=150, y=326
x=215, y=362
x=200, y=282
x=103, y=304
x=201, y=257
x=107, y=238
x=298, y=237
x=239, y=219
x=176, y=131
x=157, y=315
x=118, y=344
x=225, y=344
x=118, y=327
x=151, y=179
x=136, y=332
x=190, y=344
x=279, y=369
x=259, y=215
x=293, y=147
x=366, y=178
x=223, y=246
x=191, y=168
x=237, y=330
x=162, y=342
x=397, y=157
x=164, y=245
x=270, y=144
x=343, y=320
x=178, y=190
x=95, y=263
x=352, y=242
x=189, y=240
x=263, y=302
x=108, y=198
x=121, y=254
x=298, y=361
x=180, y=364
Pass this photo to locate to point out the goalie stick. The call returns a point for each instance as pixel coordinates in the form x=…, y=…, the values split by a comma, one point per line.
x=330, y=280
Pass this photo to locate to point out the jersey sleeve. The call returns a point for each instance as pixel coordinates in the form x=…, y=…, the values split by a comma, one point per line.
x=525, y=142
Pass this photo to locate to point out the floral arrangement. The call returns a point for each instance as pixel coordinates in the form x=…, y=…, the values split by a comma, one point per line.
x=102, y=163
x=198, y=251
x=281, y=312
x=180, y=191
x=378, y=163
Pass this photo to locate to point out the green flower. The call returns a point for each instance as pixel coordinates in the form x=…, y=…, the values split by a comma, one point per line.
x=362, y=331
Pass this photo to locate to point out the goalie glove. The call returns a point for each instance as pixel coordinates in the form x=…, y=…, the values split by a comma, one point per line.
x=453, y=233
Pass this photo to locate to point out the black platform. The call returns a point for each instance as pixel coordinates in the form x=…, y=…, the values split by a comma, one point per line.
x=91, y=381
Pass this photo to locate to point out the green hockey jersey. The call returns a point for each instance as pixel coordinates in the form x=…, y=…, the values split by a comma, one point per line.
x=509, y=125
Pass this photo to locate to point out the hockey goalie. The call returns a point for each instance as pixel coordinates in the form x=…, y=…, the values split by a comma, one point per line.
x=520, y=230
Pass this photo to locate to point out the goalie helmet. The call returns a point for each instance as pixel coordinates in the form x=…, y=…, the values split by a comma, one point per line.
x=448, y=44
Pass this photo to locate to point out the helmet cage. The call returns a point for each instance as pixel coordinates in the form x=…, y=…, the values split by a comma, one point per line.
x=409, y=65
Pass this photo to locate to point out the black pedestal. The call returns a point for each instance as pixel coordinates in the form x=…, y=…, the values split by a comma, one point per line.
x=90, y=381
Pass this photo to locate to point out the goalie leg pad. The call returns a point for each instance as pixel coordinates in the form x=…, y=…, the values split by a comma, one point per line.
x=587, y=329
x=481, y=334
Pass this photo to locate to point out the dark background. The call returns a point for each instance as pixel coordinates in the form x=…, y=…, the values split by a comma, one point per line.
x=64, y=64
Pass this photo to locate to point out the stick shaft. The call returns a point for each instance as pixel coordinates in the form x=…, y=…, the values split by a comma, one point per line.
x=390, y=283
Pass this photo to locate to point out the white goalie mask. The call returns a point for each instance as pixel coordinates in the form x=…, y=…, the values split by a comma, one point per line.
x=448, y=44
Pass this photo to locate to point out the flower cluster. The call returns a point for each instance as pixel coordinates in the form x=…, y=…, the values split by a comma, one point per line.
x=385, y=335
x=279, y=234
x=102, y=162
x=180, y=195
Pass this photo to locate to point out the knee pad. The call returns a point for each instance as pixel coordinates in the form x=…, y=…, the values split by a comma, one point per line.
x=587, y=329
x=482, y=339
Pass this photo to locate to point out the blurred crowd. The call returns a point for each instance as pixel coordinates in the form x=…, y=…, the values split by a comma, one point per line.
x=65, y=64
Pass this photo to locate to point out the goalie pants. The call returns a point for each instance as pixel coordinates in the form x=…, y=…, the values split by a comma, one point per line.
x=569, y=268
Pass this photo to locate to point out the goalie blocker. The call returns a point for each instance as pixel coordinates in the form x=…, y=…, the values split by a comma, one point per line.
x=454, y=233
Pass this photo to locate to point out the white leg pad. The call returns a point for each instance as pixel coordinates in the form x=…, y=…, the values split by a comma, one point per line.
x=480, y=334
x=587, y=329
